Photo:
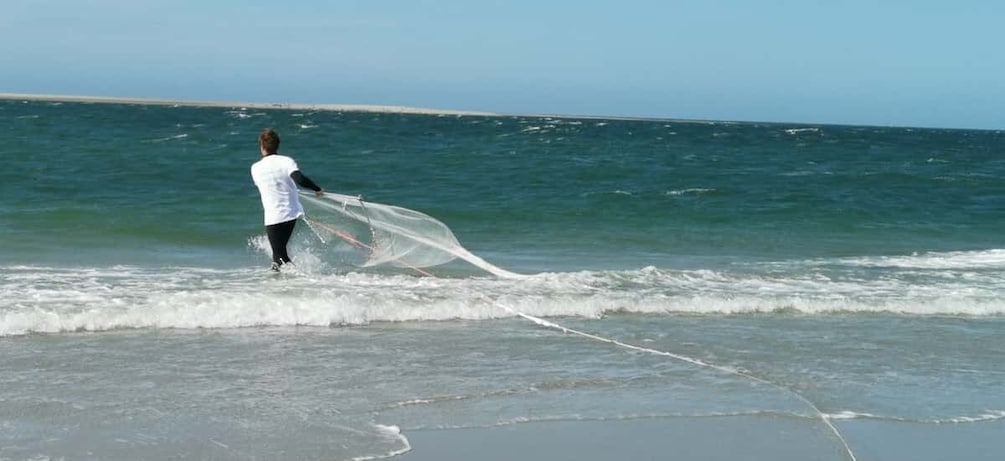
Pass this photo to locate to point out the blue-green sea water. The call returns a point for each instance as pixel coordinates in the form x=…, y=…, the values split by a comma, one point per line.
x=860, y=268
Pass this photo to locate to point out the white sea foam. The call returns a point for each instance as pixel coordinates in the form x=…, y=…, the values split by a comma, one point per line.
x=983, y=259
x=170, y=138
x=394, y=434
x=50, y=299
x=846, y=415
x=689, y=191
x=802, y=130
x=989, y=416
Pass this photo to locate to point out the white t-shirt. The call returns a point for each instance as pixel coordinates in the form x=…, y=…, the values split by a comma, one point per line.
x=279, y=193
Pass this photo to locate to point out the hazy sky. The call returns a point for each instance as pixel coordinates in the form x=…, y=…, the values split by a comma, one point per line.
x=877, y=62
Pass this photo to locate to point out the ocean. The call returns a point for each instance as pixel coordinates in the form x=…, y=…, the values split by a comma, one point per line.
x=812, y=291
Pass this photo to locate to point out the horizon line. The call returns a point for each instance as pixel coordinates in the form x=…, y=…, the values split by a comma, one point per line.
x=396, y=109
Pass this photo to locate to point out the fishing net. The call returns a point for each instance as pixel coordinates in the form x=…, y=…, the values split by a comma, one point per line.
x=370, y=234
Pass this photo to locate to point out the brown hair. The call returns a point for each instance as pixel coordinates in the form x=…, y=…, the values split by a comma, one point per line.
x=269, y=140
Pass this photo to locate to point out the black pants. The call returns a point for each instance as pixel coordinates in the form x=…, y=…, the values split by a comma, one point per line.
x=279, y=236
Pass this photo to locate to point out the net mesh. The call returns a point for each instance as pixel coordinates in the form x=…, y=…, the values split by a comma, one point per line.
x=370, y=234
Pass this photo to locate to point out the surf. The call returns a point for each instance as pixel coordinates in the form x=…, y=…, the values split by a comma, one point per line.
x=53, y=299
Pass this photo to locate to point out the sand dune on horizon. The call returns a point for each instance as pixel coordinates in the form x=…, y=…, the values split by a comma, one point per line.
x=251, y=105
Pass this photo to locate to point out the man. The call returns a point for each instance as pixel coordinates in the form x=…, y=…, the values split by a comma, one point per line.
x=277, y=177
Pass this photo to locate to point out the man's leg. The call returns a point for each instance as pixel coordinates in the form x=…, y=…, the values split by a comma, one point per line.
x=279, y=236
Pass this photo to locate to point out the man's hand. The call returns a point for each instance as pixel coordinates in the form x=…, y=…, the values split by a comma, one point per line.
x=319, y=192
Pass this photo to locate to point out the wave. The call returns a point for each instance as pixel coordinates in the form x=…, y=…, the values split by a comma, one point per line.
x=984, y=259
x=690, y=191
x=986, y=417
x=169, y=138
x=38, y=299
x=989, y=417
x=802, y=130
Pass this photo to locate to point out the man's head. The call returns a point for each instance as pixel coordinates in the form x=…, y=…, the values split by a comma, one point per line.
x=268, y=141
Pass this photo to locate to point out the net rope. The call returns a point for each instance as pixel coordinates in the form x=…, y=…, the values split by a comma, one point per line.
x=697, y=362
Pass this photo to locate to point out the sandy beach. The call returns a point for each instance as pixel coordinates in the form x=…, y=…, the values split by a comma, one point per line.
x=247, y=105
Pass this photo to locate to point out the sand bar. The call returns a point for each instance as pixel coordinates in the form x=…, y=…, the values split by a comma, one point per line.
x=248, y=105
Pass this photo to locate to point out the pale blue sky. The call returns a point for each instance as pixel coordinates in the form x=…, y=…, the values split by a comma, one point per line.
x=878, y=62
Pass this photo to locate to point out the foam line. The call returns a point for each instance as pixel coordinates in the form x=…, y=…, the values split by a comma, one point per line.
x=391, y=431
x=684, y=358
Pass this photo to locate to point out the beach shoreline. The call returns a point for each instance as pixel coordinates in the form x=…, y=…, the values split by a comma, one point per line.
x=709, y=438
x=724, y=438
x=236, y=104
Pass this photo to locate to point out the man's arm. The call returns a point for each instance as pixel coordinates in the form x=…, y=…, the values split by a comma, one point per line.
x=304, y=181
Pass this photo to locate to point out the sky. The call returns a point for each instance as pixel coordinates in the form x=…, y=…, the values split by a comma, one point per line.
x=920, y=63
